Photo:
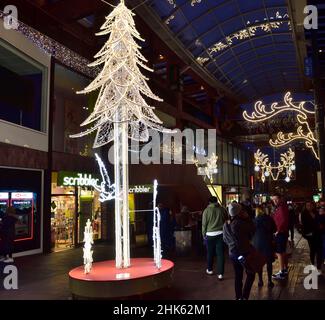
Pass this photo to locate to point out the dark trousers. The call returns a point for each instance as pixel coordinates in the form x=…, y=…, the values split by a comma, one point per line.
x=315, y=250
x=323, y=246
x=269, y=269
x=242, y=292
x=292, y=232
x=8, y=246
x=215, y=246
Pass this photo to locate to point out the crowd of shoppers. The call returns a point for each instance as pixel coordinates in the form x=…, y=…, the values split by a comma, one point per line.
x=268, y=229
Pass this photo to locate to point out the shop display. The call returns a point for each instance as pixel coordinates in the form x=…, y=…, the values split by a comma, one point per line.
x=62, y=222
x=68, y=224
x=120, y=111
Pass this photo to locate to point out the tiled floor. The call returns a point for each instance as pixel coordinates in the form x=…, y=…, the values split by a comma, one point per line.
x=46, y=277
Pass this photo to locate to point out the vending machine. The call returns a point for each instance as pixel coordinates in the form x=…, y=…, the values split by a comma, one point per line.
x=23, y=202
x=4, y=203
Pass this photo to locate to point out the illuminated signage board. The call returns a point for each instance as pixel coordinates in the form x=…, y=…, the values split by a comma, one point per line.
x=71, y=179
x=4, y=195
x=148, y=188
x=22, y=195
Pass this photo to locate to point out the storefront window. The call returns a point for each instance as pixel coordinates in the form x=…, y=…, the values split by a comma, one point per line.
x=71, y=207
x=23, y=90
x=71, y=109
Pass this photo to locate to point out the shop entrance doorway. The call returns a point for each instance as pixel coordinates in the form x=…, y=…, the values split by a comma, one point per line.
x=63, y=222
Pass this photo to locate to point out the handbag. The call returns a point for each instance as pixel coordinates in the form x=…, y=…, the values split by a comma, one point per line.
x=254, y=261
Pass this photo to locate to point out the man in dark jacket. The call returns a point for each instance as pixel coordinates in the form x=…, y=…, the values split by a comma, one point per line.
x=281, y=219
x=8, y=234
x=237, y=234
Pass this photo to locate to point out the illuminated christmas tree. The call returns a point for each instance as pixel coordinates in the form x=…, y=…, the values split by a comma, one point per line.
x=121, y=112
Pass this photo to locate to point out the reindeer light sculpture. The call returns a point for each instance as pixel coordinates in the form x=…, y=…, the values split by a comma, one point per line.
x=267, y=169
x=303, y=131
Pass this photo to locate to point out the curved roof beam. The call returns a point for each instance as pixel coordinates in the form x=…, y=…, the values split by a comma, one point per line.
x=272, y=53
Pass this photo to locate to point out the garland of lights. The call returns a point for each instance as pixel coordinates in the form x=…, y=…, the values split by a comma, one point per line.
x=88, y=253
x=247, y=33
x=267, y=169
x=209, y=169
x=156, y=228
x=303, y=132
x=121, y=111
x=54, y=49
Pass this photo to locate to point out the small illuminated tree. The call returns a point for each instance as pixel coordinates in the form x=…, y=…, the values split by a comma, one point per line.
x=121, y=112
x=89, y=241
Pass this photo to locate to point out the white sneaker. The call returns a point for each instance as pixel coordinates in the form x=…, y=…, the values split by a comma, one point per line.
x=220, y=276
x=2, y=258
x=209, y=272
x=8, y=260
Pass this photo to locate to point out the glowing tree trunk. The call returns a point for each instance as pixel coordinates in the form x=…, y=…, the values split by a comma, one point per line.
x=122, y=229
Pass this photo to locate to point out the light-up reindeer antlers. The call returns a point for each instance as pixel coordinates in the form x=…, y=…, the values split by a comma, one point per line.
x=303, y=132
x=261, y=113
x=267, y=169
x=283, y=139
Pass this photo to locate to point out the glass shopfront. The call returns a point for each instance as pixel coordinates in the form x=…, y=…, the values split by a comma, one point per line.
x=73, y=202
x=141, y=213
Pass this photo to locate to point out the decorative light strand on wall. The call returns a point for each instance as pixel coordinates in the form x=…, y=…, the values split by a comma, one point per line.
x=53, y=48
x=303, y=131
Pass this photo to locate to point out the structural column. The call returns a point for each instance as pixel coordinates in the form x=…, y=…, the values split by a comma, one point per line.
x=319, y=108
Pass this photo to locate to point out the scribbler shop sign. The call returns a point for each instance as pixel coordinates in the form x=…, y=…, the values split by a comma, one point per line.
x=69, y=179
x=147, y=188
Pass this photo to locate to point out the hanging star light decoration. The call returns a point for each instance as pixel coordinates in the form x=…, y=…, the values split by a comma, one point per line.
x=286, y=165
x=87, y=252
x=120, y=111
x=303, y=132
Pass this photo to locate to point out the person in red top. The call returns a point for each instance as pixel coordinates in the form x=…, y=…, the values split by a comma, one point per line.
x=281, y=219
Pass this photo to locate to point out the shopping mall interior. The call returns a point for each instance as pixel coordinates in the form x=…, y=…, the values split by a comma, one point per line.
x=157, y=149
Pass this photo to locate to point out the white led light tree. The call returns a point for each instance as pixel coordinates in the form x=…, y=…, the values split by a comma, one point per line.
x=156, y=228
x=121, y=112
x=88, y=253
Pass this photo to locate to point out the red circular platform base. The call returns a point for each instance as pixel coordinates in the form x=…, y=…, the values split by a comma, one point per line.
x=106, y=281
